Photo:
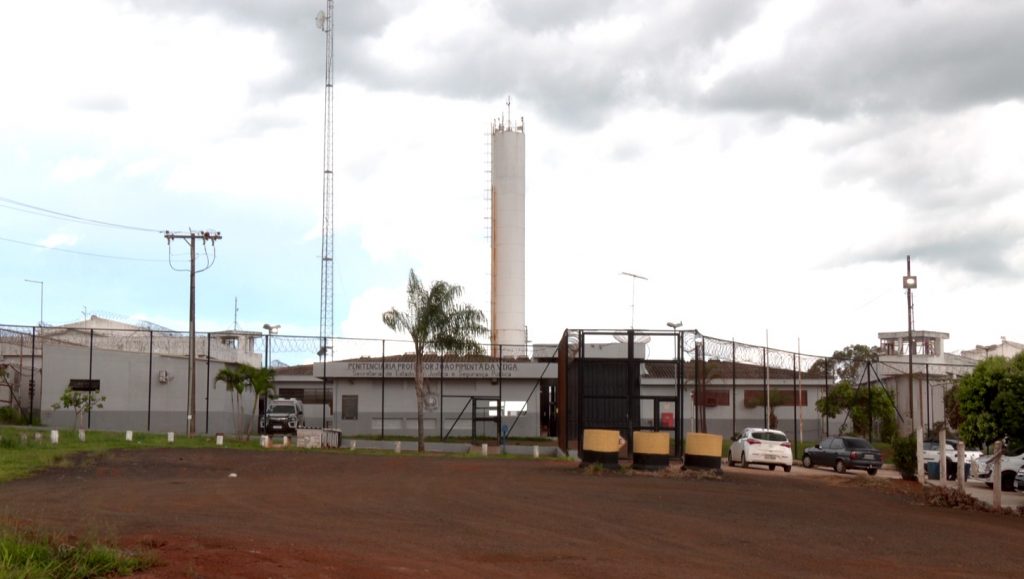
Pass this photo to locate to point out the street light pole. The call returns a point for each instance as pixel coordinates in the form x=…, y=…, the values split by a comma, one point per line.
x=632, y=305
x=40, y=299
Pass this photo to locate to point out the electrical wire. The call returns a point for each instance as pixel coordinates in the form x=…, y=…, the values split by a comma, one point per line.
x=85, y=253
x=32, y=209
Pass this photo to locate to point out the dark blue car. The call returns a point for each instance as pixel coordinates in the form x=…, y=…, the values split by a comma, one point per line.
x=844, y=453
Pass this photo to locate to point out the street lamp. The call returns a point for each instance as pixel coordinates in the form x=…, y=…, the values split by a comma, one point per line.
x=271, y=331
x=40, y=299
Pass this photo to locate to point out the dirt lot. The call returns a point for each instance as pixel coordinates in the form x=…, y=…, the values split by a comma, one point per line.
x=307, y=514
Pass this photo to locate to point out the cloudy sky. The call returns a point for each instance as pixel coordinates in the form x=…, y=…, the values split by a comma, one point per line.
x=766, y=165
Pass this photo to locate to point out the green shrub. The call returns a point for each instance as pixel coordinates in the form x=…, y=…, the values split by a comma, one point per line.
x=904, y=455
x=11, y=415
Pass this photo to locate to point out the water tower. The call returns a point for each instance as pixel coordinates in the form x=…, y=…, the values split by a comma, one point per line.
x=508, y=236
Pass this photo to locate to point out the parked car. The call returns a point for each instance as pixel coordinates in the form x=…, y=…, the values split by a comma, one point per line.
x=761, y=446
x=1020, y=479
x=283, y=415
x=1011, y=463
x=843, y=453
x=930, y=453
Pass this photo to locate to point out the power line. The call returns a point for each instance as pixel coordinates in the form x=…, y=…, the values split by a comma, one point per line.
x=41, y=211
x=85, y=253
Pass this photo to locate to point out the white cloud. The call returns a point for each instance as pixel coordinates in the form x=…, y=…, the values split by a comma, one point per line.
x=77, y=169
x=59, y=240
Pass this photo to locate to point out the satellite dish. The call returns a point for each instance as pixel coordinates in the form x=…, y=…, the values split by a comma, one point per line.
x=430, y=401
x=321, y=21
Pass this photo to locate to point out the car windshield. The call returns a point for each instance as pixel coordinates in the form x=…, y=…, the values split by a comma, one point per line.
x=772, y=436
x=282, y=409
x=857, y=443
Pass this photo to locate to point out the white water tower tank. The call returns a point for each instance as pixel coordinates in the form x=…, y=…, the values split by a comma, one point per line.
x=508, y=237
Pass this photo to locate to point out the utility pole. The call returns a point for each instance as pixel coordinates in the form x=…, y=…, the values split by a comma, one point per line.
x=191, y=238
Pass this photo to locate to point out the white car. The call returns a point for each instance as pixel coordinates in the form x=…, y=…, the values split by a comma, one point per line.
x=761, y=446
x=1011, y=462
x=931, y=454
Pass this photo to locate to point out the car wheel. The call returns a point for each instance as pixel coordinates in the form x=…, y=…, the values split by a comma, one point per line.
x=743, y=460
x=787, y=468
x=872, y=471
x=771, y=467
x=1007, y=479
x=807, y=462
x=840, y=466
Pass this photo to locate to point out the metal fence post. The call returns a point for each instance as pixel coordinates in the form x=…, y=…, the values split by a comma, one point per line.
x=32, y=384
x=208, y=356
x=91, y=335
x=383, y=353
x=149, y=394
x=733, y=387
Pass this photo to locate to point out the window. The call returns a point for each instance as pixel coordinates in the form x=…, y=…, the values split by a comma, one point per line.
x=349, y=407
x=837, y=444
x=769, y=435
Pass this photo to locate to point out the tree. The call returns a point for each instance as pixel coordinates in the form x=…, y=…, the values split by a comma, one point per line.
x=847, y=364
x=244, y=377
x=991, y=400
x=438, y=323
x=81, y=402
x=862, y=405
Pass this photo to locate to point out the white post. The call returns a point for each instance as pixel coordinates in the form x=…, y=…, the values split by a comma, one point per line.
x=128, y=435
x=287, y=441
x=170, y=437
x=398, y=446
x=942, y=456
x=536, y=451
x=960, y=474
x=997, y=477
x=54, y=436
x=483, y=449
x=352, y=445
x=81, y=435
x=920, y=456
x=264, y=441
x=220, y=439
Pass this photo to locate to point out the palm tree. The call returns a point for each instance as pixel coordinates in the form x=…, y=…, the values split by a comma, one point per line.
x=261, y=382
x=437, y=323
x=234, y=380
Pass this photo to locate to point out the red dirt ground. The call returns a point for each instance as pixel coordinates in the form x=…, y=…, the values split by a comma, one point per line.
x=320, y=514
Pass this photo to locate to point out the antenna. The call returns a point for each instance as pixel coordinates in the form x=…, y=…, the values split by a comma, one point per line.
x=508, y=104
x=236, y=313
x=325, y=22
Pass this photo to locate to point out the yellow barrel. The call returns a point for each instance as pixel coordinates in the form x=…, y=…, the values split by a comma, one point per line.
x=703, y=451
x=601, y=447
x=650, y=450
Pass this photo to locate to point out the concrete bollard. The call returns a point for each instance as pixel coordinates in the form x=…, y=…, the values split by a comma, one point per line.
x=483, y=449
x=651, y=450
x=170, y=437
x=54, y=436
x=536, y=451
x=286, y=442
x=81, y=435
x=220, y=439
x=128, y=435
x=601, y=447
x=264, y=441
x=352, y=445
x=39, y=436
x=703, y=450
x=398, y=446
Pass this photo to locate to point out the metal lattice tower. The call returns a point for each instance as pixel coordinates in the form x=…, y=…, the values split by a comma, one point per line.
x=325, y=21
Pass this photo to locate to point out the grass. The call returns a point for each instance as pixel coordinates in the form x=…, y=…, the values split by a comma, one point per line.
x=21, y=454
x=27, y=554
